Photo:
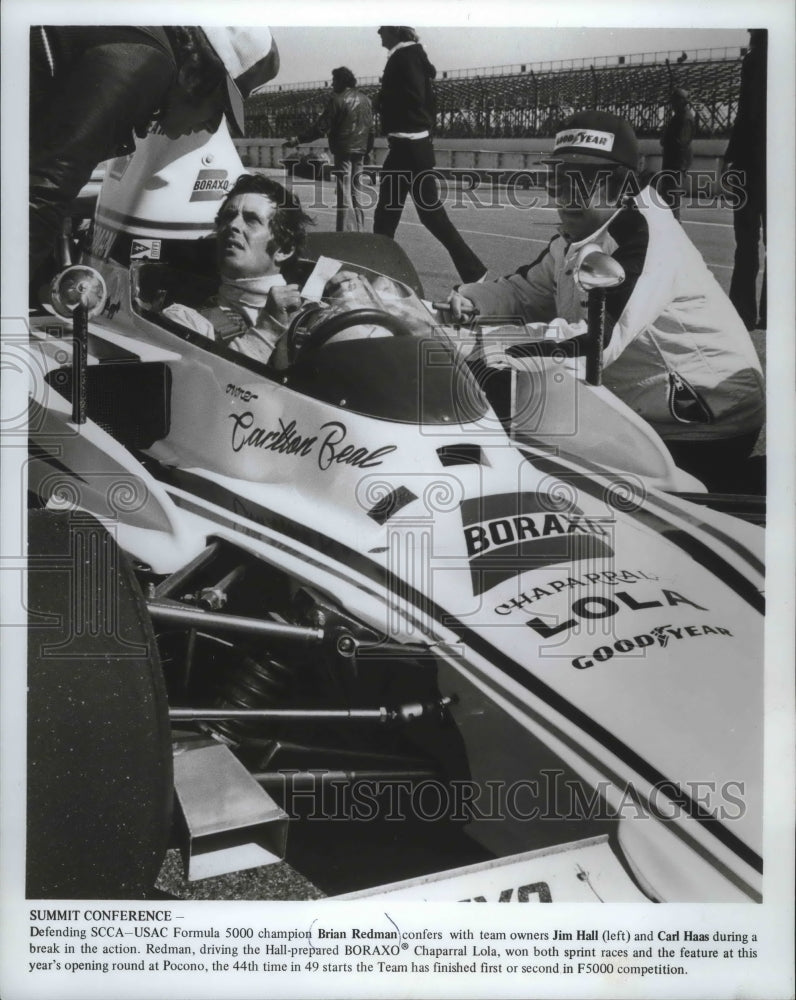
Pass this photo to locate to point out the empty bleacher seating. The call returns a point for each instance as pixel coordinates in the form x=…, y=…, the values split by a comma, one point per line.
x=531, y=101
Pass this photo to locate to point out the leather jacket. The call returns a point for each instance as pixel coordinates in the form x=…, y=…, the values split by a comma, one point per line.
x=92, y=90
x=347, y=122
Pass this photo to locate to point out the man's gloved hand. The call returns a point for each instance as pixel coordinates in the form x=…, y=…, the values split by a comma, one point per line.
x=282, y=301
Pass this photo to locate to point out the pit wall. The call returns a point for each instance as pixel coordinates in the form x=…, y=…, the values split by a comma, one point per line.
x=488, y=157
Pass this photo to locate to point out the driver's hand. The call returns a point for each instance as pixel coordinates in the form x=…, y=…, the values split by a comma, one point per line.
x=282, y=301
x=460, y=306
x=350, y=287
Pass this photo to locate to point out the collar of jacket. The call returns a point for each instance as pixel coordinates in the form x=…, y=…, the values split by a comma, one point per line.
x=251, y=292
x=400, y=45
x=641, y=199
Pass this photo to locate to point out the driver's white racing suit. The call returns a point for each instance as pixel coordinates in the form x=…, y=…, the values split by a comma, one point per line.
x=238, y=316
x=669, y=324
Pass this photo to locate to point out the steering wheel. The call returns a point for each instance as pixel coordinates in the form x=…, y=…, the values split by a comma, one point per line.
x=330, y=327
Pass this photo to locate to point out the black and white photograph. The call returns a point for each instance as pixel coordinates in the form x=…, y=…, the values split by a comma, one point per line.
x=397, y=459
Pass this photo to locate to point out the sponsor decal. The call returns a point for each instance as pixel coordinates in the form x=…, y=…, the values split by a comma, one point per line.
x=595, y=606
x=532, y=893
x=610, y=577
x=118, y=167
x=110, y=308
x=509, y=533
x=210, y=185
x=588, y=138
x=661, y=635
x=237, y=392
x=330, y=447
x=145, y=249
x=102, y=240
x=114, y=287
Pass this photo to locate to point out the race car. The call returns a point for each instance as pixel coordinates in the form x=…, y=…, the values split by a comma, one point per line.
x=274, y=611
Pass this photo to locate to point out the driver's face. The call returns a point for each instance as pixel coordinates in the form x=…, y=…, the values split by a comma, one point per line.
x=245, y=240
x=581, y=197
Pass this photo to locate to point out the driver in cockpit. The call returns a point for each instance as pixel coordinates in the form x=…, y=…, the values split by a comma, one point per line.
x=260, y=227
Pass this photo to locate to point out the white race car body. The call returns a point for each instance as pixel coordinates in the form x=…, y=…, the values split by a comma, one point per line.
x=578, y=618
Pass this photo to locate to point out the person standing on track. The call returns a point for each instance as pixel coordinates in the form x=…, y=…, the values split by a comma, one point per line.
x=347, y=121
x=407, y=107
x=746, y=155
x=677, y=152
x=676, y=350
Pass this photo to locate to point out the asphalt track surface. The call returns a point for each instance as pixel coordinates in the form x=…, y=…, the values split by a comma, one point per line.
x=506, y=230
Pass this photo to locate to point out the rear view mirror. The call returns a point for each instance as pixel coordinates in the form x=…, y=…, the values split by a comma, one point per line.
x=596, y=269
x=78, y=285
x=594, y=272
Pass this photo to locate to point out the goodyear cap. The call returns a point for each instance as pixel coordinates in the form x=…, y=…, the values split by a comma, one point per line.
x=251, y=59
x=596, y=137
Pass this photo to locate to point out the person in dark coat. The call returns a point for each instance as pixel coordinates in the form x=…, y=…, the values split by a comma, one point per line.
x=94, y=89
x=746, y=157
x=347, y=122
x=677, y=152
x=407, y=107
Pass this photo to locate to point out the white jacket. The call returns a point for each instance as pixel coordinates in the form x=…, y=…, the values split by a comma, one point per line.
x=670, y=315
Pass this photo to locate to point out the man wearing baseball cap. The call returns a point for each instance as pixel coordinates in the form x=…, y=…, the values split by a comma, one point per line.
x=676, y=350
x=94, y=88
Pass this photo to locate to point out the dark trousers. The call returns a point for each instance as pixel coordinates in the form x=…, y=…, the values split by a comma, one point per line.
x=671, y=187
x=409, y=169
x=748, y=220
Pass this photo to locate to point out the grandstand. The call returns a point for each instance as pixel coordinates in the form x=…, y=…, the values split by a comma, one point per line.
x=532, y=100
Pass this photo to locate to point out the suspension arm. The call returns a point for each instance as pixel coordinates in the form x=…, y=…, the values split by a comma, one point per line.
x=402, y=713
x=176, y=614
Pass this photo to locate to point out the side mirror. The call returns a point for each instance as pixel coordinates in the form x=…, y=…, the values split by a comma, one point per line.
x=79, y=292
x=78, y=285
x=595, y=269
x=594, y=272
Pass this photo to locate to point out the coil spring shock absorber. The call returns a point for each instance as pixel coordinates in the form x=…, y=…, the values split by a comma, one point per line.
x=252, y=683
